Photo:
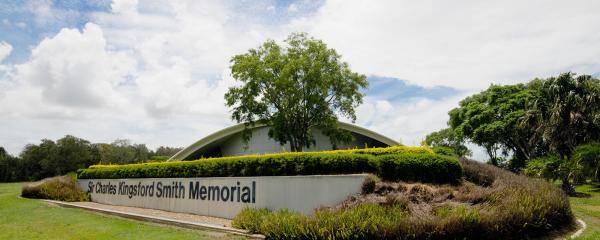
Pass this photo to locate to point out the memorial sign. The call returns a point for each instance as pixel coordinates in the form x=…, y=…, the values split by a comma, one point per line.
x=225, y=196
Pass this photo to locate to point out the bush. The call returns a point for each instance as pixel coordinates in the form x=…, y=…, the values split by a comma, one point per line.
x=501, y=205
x=442, y=150
x=63, y=188
x=386, y=150
x=407, y=166
x=368, y=185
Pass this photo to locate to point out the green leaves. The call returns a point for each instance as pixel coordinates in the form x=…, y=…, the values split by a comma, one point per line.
x=294, y=88
x=408, y=164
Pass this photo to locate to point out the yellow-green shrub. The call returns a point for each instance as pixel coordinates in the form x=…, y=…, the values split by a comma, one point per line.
x=408, y=166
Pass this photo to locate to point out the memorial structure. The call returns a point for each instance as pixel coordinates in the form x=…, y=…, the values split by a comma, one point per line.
x=227, y=196
x=230, y=142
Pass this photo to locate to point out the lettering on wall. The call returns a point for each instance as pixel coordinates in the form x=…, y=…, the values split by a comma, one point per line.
x=239, y=192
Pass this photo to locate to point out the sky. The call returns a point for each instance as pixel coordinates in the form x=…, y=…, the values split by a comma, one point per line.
x=155, y=71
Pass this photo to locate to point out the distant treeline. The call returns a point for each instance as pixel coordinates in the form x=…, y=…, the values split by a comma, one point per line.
x=54, y=158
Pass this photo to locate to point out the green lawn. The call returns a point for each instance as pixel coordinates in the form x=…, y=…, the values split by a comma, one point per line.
x=588, y=209
x=33, y=219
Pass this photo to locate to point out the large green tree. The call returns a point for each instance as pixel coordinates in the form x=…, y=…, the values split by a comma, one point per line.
x=492, y=119
x=295, y=88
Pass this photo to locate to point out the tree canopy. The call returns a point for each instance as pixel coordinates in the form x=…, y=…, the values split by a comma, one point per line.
x=539, y=124
x=52, y=158
x=295, y=88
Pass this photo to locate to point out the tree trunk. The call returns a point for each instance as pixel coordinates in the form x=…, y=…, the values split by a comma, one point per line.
x=567, y=187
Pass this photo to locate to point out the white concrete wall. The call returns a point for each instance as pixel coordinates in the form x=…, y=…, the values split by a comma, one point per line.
x=297, y=193
x=260, y=143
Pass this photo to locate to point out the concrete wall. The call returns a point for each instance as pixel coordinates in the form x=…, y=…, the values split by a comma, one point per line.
x=261, y=143
x=297, y=193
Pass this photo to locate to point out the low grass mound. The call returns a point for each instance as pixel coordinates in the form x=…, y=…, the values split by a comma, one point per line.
x=490, y=204
x=394, y=164
x=62, y=188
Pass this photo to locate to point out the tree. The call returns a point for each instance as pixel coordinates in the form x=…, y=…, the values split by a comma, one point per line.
x=293, y=89
x=588, y=156
x=492, y=119
x=166, y=151
x=565, y=113
x=123, y=151
x=447, y=138
x=10, y=168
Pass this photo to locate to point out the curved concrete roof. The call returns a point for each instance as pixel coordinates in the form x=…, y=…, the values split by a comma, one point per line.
x=229, y=131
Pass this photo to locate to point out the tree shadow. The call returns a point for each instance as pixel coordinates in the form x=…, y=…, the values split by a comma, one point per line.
x=595, y=187
x=580, y=195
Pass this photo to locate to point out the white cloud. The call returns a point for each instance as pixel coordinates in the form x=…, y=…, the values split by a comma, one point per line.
x=74, y=69
x=5, y=50
x=466, y=44
x=409, y=121
x=156, y=71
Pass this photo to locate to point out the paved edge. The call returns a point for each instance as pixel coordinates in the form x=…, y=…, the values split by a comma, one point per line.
x=167, y=221
x=578, y=233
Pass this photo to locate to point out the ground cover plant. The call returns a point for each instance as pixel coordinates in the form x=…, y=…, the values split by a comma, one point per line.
x=62, y=188
x=394, y=163
x=490, y=204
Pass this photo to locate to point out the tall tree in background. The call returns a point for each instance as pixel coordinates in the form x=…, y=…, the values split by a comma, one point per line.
x=293, y=89
x=447, y=138
x=565, y=113
x=492, y=119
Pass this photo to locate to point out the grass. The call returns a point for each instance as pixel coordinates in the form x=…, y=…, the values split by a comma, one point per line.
x=22, y=218
x=588, y=210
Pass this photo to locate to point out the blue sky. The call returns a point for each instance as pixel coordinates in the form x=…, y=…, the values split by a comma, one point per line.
x=155, y=71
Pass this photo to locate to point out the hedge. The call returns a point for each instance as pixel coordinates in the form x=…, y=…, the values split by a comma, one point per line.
x=423, y=167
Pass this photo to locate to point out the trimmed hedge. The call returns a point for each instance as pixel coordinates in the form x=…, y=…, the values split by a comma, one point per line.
x=386, y=150
x=423, y=167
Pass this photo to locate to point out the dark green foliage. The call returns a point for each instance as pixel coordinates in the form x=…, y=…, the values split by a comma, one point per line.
x=294, y=88
x=509, y=206
x=407, y=166
x=447, y=139
x=588, y=157
x=492, y=119
x=10, y=167
x=524, y=122
x=52, y=158
x=63, y=188
x=547, y=167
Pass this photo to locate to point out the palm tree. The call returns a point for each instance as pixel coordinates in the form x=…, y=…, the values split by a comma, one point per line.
x=565, y=114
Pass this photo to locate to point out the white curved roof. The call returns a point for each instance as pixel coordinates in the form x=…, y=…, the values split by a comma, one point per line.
x=227, y=132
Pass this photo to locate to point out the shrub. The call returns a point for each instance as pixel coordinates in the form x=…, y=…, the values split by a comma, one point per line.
x=63, y=188
x=386, y=150
x=443, y=150
x=368, y=185
x=546, y=167
x=501, y=205
x=425, y=167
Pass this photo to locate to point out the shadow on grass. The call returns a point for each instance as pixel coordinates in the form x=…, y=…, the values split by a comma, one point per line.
x=580, y=195
x=594, y=187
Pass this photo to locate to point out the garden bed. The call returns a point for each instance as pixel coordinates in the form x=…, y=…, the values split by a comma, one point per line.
x=490, y=204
